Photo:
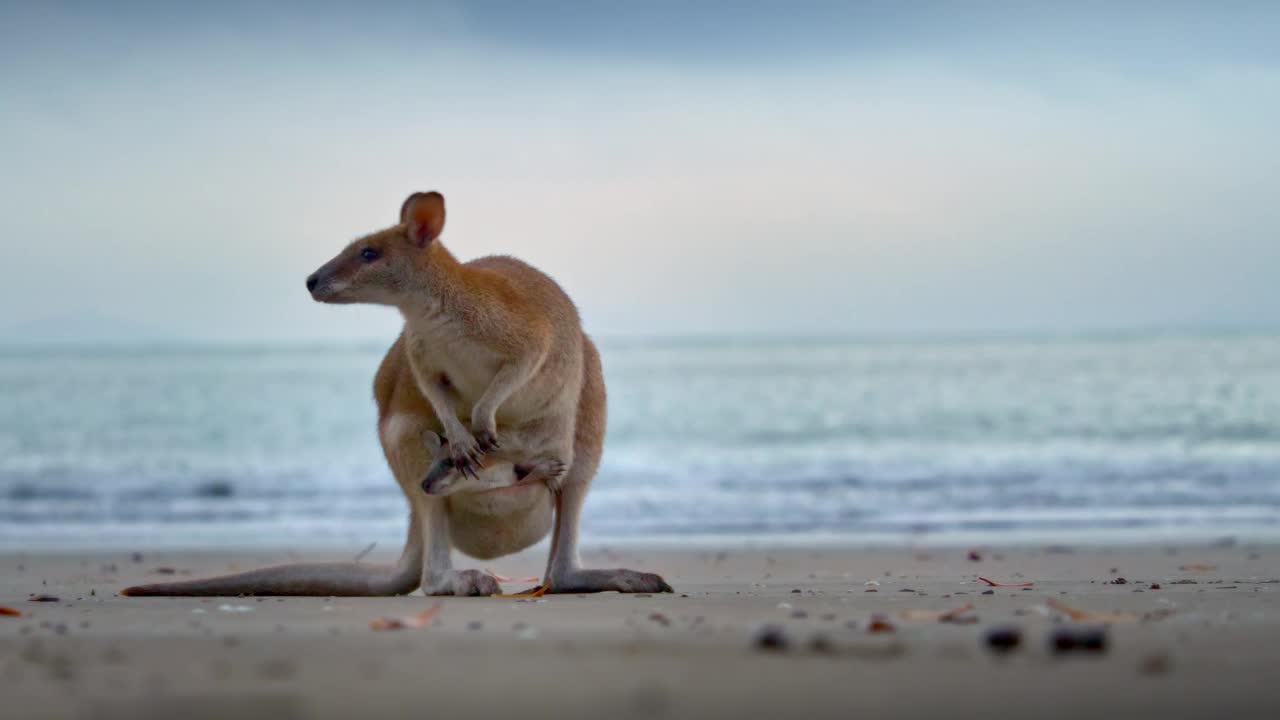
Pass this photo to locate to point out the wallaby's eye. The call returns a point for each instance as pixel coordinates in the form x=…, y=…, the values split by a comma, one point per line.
x=369, y=254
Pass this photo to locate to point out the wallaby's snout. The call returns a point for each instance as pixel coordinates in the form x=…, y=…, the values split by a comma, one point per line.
x=312, y=281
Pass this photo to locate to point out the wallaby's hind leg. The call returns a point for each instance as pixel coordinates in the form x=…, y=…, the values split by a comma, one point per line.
x=565, y=573
x=438, y=575
x=411, y=446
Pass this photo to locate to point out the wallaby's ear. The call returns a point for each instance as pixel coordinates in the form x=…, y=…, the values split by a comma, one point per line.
x=423, y=216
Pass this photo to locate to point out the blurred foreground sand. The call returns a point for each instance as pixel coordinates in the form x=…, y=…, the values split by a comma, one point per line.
x=1206, y=643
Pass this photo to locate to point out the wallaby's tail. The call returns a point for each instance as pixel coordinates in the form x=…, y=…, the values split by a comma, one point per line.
x=339, y=579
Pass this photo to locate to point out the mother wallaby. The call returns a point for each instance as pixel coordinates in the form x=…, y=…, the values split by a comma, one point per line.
x=493, y=357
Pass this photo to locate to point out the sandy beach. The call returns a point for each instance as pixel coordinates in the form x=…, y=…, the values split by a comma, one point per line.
x=1205, y=642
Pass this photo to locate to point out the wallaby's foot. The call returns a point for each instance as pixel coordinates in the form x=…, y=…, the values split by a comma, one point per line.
x=461, y=583
x=619, y=580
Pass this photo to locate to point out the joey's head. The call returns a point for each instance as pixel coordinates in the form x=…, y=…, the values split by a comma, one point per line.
x=382, y=267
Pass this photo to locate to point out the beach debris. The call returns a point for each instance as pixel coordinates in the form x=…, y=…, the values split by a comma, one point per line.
x=227, y=608
x=871, y=583
x=975, y=556
x=954, y=615
x=1003, y=638
x=659, y=618
x=1156, y=664
x=1076, y=638
x=1091, y=617
x=1119, y=581
x=988, y=592
x=11, y=612
x=368, y=549
x=1155, y=586
x=530, y=594
x=772, y=638
x=504, y=578
x=821, y=643
x=880, y=624
x=44, y=598
x=993, y=583
x=1197, y=567
x=404, y=623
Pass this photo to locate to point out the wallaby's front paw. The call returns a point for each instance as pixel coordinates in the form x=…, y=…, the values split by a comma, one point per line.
x=485, y=430
x=461, y=583
x=465, y=454
x=487, y=440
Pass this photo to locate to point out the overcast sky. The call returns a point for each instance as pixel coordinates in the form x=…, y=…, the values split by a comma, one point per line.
x=718, y=168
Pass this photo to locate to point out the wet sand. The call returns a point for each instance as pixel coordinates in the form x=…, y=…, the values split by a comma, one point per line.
x=1206, y=643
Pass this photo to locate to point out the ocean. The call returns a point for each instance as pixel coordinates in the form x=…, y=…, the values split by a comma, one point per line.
x=712, y=442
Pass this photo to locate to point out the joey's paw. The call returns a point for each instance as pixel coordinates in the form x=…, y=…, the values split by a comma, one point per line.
x=551, y=472
x=461, y=583
x=618, y=580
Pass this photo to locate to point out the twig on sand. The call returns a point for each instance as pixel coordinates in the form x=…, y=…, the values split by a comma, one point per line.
x=360, y=555
x=993, y=583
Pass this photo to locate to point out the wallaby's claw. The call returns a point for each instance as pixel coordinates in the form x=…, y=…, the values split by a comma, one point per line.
x=486, y=440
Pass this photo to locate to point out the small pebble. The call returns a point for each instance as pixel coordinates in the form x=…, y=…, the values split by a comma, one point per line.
x=880, y=624
x=771, y=637
x=988, y=592
x=1155, y=664
x=820, y=643
x=1004, y=638
x=1072, y=638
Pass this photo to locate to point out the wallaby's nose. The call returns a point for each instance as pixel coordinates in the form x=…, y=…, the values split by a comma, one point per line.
x=312, y=282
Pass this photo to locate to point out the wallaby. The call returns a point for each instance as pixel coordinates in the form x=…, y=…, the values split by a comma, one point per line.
x=493, y=356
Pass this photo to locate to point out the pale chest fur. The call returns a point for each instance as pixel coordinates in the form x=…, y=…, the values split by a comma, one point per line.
x=445, y=356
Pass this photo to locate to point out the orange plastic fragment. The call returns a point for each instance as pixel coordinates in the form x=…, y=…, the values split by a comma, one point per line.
x=413, y=621
x=10, y=611
x=993, y=583
x=533, y=592
x=504, y=578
